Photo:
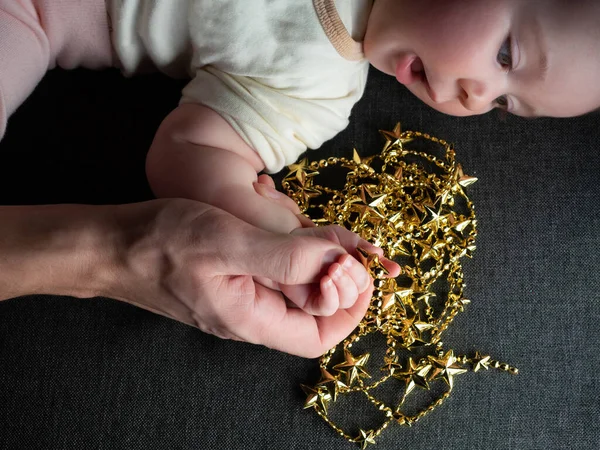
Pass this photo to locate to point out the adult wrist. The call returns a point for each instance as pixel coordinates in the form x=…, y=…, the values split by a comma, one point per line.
x=58, y=249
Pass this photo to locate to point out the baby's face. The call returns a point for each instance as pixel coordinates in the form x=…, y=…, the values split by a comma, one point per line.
x=464, y=57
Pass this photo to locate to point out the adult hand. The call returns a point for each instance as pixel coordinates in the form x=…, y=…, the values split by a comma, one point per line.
x=197, y=264
x=344, y=282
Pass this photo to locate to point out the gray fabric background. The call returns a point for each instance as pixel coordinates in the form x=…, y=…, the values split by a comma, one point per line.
x=99, y=374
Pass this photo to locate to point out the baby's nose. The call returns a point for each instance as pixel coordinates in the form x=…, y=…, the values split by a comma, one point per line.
x=442, y=92
x=475, y=95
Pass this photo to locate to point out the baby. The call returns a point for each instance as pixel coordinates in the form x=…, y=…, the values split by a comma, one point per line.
x=271, y=78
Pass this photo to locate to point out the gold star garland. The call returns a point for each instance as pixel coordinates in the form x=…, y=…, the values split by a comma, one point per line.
x=414, y=206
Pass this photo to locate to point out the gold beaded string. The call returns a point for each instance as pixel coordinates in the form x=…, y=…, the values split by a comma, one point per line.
x=423, y=218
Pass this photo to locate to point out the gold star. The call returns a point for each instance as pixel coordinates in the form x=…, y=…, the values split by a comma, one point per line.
x=445, y=368
x=460, y=304
x=437, y=220
x=424, y=296
x=414, y=215
x=371, y=197
x=388, y=300
x=394, y=295
x=305, y=194
x=466, y=180
x=481, y=362
x=394, y=137
x=379, y=236
x=401, y=418
x=399, y=249
x=318, y=398
x=365, y=438
x=398, y=173
x=332, y=383
x=461, y=180
x=366, y=214
x=429, y=251
x=363, y=163
x=391, y=364
x=367, y=259
x=356, y=157
x=301, y=171
x=413, y=327
x=414, y=376
x=353, y=367
x=460, y=226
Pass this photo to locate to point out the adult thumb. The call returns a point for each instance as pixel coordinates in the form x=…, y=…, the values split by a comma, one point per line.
x=289, y=259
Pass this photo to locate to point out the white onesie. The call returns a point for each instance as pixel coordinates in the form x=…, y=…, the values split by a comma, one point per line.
x=284, y=73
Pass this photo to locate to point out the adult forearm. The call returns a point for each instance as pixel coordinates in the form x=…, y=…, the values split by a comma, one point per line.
x=57, y=249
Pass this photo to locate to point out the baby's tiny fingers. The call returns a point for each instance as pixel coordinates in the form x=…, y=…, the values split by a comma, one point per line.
x=345, y=284
x=269, y=192
x=357, y=272
x=392, y=267
x=369, y=247
x=266, y=179
x=327, y=302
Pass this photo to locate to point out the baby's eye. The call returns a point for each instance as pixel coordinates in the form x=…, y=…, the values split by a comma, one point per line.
x=504, y=57
x=501, y=102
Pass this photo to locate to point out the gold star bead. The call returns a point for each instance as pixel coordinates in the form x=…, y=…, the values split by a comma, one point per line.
x=394, y=137
x=365, y=438
x=466, y=180
x=301, y=171
x=461, y=180
x=415, y=375
x=371, y=197
x=445, y=367
x=331, y=383
x=481, y=362
x=391, y=364
x=413, y=327
x=437, y=220
x=356, y=157
x=318, y=398
x=306, y=193
x=363, y=163
x=429, y=251
x=353, y=367
x=460, y=226
x=366, y=214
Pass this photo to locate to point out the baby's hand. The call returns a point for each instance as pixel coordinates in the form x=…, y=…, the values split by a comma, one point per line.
x=344, y=282
x=265, y=186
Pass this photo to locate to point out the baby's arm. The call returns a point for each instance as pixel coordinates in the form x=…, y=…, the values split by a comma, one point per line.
x=196, y=154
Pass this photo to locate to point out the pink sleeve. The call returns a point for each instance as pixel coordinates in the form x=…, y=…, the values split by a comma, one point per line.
x=24, y=53
x=37, y=35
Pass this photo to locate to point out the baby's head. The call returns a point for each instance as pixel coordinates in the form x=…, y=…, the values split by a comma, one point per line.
x=464, y=57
